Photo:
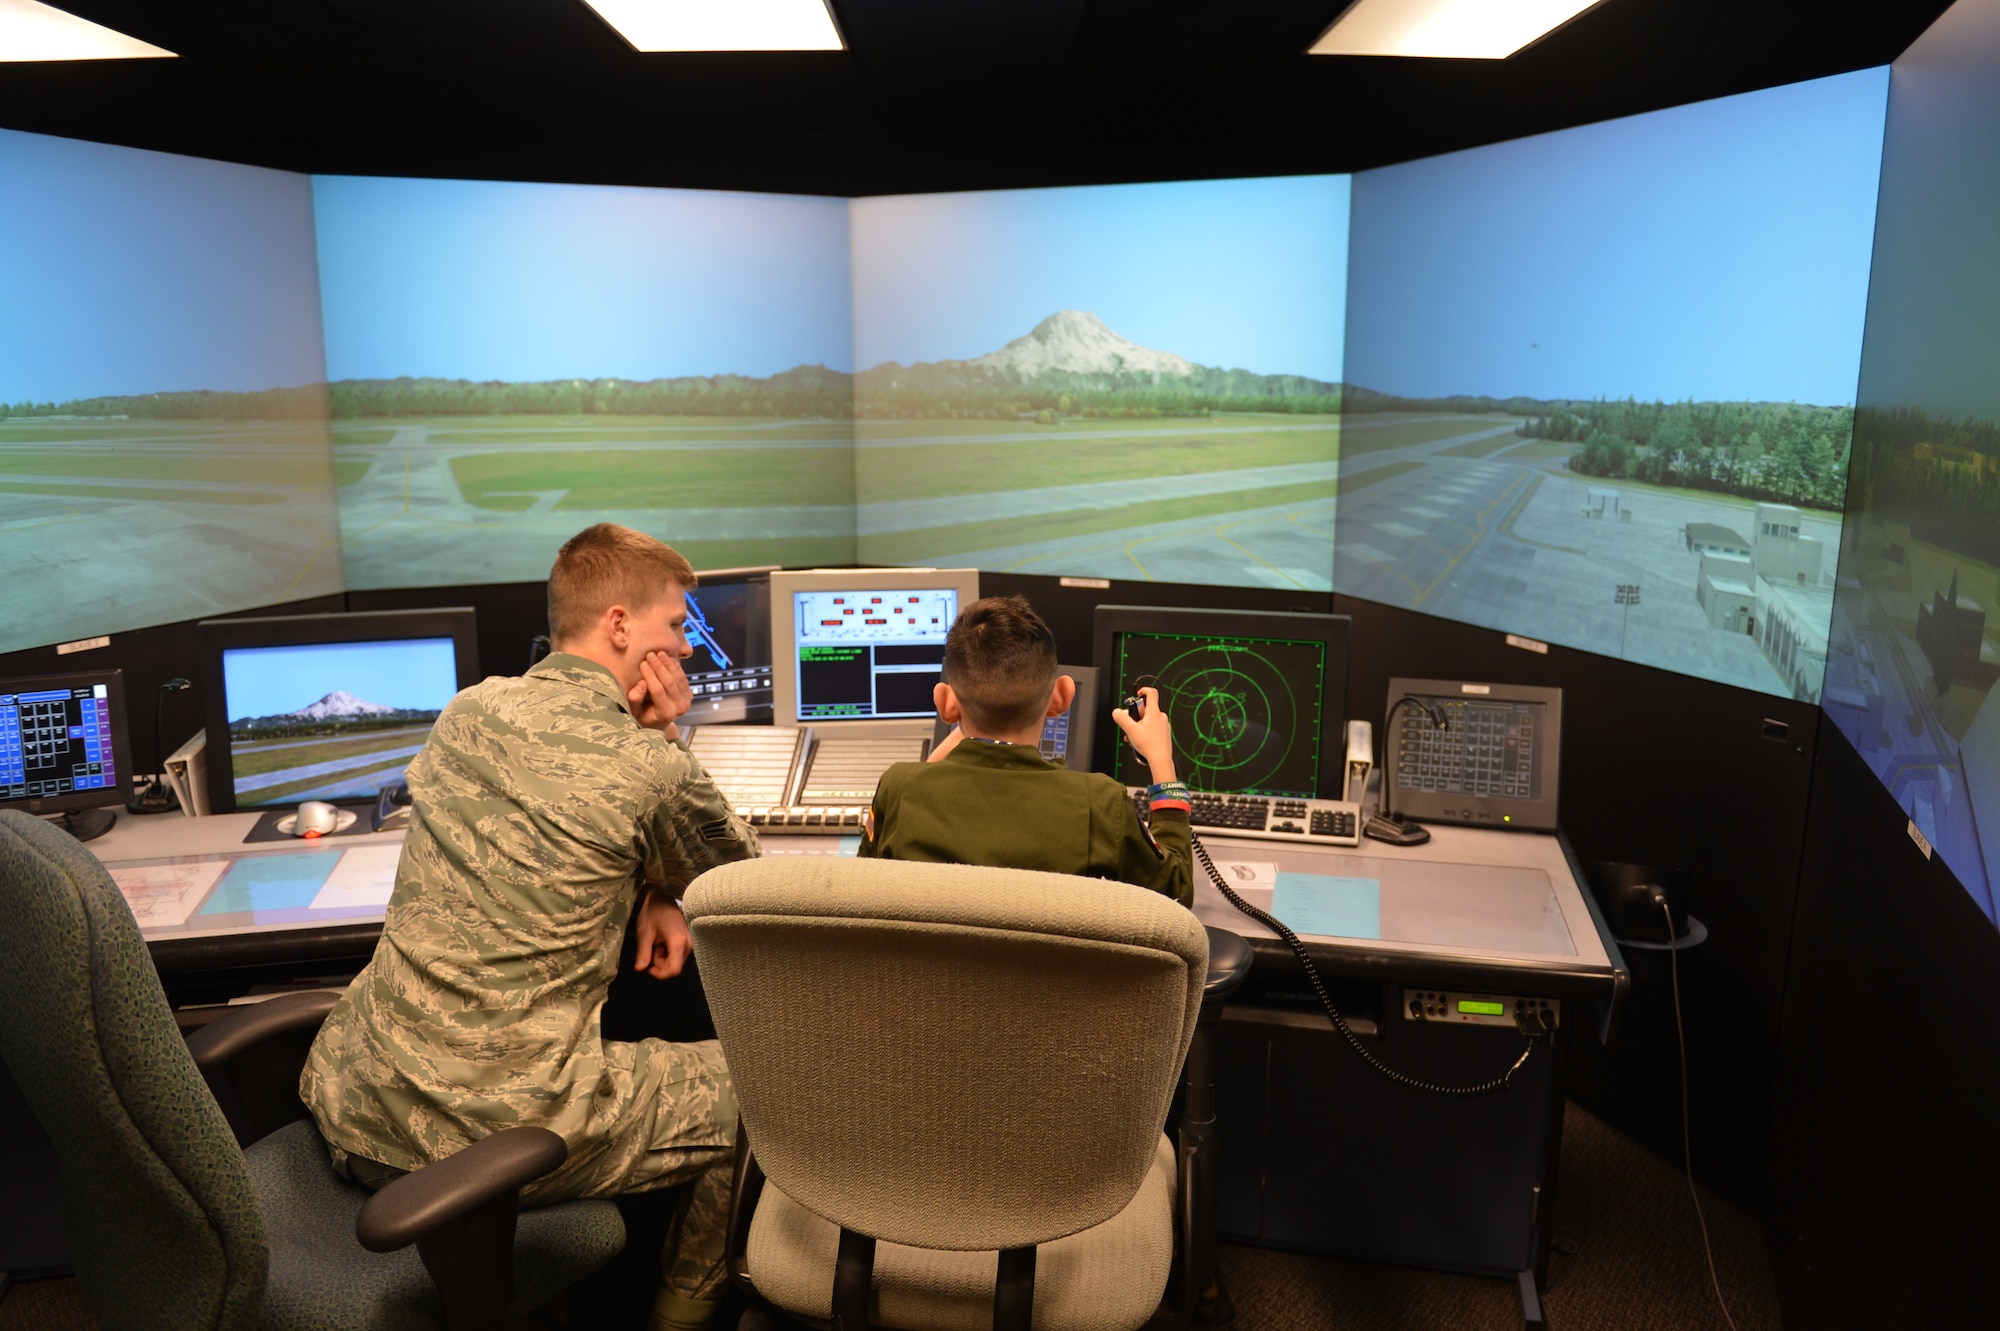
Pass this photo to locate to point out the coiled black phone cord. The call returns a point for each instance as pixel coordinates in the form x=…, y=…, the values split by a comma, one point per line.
x=1278, y=927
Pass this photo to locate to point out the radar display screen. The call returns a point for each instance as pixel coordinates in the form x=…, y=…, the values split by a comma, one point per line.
x=1245, y=710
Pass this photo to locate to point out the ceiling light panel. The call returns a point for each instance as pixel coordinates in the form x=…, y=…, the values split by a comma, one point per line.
x=30, y=30
x=1446, y=29
x=722, y=25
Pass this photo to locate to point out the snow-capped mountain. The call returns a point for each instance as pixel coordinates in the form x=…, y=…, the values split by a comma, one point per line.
x=340, y=705
x=1077, y=342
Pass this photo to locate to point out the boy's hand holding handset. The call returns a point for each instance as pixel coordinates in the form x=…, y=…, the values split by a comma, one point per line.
x=1150, y=733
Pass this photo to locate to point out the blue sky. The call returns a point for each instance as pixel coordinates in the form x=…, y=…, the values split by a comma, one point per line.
x=1242, y=274
x=124, y=271
x=1934, y=311
x=267, y=681
x=1714, y=251
x=496, y=280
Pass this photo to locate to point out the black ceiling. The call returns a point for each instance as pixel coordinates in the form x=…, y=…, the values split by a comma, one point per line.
x=930, y=95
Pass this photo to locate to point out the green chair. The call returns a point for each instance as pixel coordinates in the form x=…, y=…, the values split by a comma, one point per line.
x=173, y=1224
x=952, y=1081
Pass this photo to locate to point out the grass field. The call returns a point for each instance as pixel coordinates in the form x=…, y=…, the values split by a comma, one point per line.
x=765, y=477
x=1384, y=432
x=156, y=521
x=282, y=755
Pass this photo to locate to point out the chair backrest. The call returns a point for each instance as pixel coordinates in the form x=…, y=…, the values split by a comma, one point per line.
x=948, y=1056
x=157, y=1205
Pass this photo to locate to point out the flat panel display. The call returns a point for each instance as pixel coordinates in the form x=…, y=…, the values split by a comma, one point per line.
x=1258, y=700
x=1127, y=381
x=870, y=654
x=513, y=362
x=1915, y=648
x=326, y=707
x=729, y=627
x=860, y=651
x=63, y=742
x=163, y=433
x=1600, y=383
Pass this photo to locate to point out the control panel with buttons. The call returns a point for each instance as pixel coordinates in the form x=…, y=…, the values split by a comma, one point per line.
x=1525, y=1014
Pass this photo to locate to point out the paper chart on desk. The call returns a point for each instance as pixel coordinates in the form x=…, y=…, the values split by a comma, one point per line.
x=364, y=879
x=162, y=896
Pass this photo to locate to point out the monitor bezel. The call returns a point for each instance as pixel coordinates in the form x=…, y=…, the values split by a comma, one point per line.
x=219, y=635
x=1336, y=632
x=121, y=741
x=784, y=636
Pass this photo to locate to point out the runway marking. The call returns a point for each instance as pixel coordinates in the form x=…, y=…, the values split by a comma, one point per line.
x=1507, y=524
x=1398, y=529
x=1423, y=513
x=1254, y=555
x=1366, y=552
x=1144, y=572
x=1480, y=522
x=324, y=538
x=1314, y=531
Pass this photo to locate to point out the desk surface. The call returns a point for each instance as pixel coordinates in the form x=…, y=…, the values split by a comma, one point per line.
x=191, y=878
x=1468, y=893
x=1467, y=898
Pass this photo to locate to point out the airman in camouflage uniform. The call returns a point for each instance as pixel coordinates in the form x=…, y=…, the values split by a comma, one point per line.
x=540, y=806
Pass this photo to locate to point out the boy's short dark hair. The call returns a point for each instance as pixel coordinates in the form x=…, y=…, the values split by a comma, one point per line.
x=1000, y=658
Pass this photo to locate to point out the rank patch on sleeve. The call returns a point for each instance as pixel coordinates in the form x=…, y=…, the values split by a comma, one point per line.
x=719, y=830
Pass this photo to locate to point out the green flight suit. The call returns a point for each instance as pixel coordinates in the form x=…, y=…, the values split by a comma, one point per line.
x=539, y=806
x=1005, y=805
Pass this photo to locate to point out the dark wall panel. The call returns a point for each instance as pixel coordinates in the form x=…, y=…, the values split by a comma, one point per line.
x=1884, y=1161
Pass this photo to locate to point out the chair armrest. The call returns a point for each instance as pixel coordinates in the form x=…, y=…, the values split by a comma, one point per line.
x=419, y=1204
x=1229, y=958
x=253, y=1023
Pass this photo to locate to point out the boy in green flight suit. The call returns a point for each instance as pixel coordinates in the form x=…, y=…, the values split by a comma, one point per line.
x=987, y=796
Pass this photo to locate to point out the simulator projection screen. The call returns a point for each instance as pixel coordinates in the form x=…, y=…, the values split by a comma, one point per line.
x=331, y=721
x=1915, y=652
x=1130, y=381
x=163, y=435
x=1600, y=383
x=511, y=363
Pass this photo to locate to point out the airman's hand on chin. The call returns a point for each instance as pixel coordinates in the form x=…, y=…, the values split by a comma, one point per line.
x=662, y=695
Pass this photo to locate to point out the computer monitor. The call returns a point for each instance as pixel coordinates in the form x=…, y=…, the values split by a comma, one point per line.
x=729, y=627
x=858, y=651
x=63, y=748
x=1258, y=699
x=326, y=707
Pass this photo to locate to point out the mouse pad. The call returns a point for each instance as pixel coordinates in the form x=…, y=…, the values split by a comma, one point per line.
x=267, y=826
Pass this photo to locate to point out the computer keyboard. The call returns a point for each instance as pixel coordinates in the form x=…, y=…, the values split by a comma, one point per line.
x=1271, y=818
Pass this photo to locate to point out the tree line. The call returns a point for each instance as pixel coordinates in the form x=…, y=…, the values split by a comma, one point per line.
x=1939, y=475
x=934, y=391
x=1783, y=452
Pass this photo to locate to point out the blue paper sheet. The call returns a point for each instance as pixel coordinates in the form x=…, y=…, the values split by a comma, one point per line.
x=1334, y=906
x=271, y=882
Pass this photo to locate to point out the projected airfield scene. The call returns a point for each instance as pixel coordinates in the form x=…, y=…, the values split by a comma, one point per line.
x=334, y=721
x=511, y=363
x=1127, y=382
x=159, y=459
x=1915, y=653
x=1628, y=436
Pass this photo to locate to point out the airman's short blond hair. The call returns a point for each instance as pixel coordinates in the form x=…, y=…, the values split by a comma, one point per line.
x=609, y=565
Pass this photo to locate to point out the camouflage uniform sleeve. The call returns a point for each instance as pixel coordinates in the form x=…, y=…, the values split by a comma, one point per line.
x=691, y=827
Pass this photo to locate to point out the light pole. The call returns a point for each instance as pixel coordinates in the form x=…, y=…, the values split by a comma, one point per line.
x=1628, y=596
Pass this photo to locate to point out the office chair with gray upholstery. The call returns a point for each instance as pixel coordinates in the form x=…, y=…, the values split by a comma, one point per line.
x=952, y=1081
x=172, y=1223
